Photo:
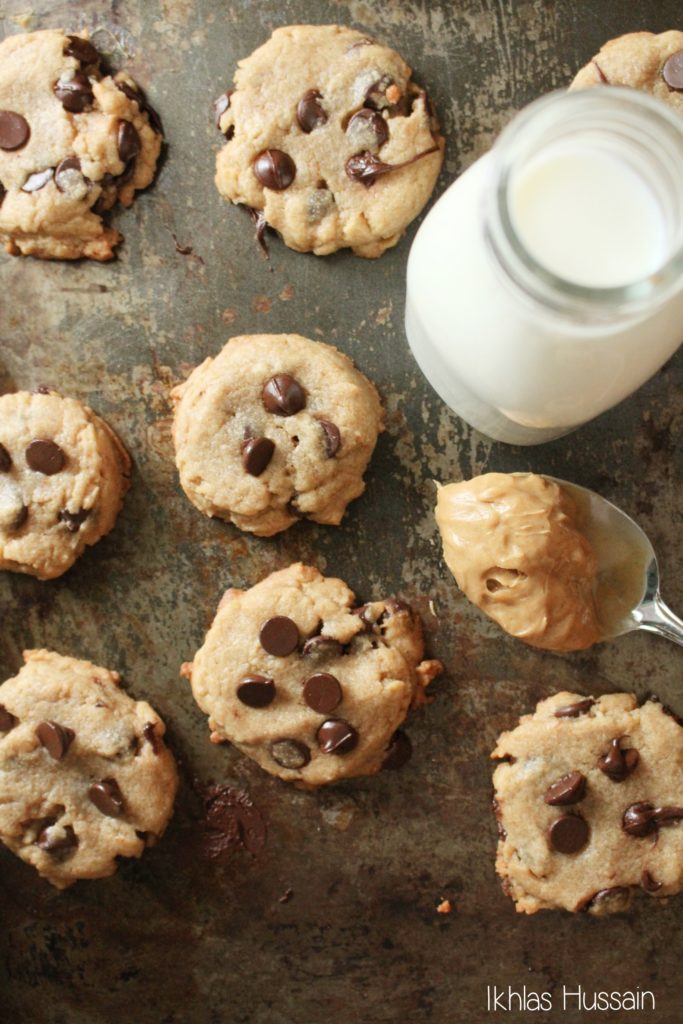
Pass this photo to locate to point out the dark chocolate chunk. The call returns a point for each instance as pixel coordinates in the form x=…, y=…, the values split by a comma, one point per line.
x=283, y=395
x=82, y=50
x=366, y=168
x=39, y=180
x=63, y=843
x=73, y=520
x=331, y=438
x=220, y=106
x=672, y=72
x=14, y=130
x=322, y=692
x=618, y=763
x=274, y=169
x=648, y=883
x=337, y=737
x=290, y=753
x=399, y=751
x=323, y=647
x=574, y=710
x=44, y=456
x=152, y=737
x=5, y=460
x=568, y=834
x=570, y=789
x=74, y=91
x=256, y=691
x=127, y=142
x=310, y=112
x=107, y=797
x=366, y=120
x=256, y=454
x=55, y=738
x=279, y=636
x=7, y=720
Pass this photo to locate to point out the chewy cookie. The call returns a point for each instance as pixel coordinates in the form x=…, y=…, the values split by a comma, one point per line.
x=309, y=686
x=85, y=776
x=63, y=475
x=276, y=427
x=641, y=60
x=329, y=139
x=589, y=804
x=72, y=143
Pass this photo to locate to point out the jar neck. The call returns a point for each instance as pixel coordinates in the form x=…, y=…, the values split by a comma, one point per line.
x=627, y=125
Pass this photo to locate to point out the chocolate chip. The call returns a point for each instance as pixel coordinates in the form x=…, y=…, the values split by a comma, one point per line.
x=618, y=763
x=127, y=141
x=256, y=691
x=107, y=797
x=45, y=456
x=220, y=106
x=55, y=738
x=274, y=169
x=369, y=124
x=332, y=438
x=366, y=168
x=137, y=96
x=283, y=395
x=322, y=692
x=20, y=518
x=14, y=130
x=310, y=112
x=376, y=93
x=648, y=883
x=570, y=789
x=323, y=647
x=256, y=454
x=261, y=225
x=290, y=753
x=73, y=520
x=82, y=50
x=5, y=460
x=54, y=842
x=568, y=834
x=154, y=740
x=75, y=91
x=7, y=720
x=574, y=710
x=279, y=636
x=70, y=180
x=39, y=180
x=610, y=901
x=399, y=751
x=672, y=72
x=337, y=737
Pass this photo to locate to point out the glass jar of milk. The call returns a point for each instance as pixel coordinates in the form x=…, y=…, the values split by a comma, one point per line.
x=547, y=283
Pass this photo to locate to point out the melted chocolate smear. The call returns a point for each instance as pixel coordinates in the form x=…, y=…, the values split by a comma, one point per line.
x=261, y=225
x=231, y=823
x=366, y=168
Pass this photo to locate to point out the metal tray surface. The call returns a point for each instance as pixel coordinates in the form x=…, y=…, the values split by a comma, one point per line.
x=334, y=920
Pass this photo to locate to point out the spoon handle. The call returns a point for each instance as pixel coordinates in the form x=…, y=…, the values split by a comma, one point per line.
x=656, y=617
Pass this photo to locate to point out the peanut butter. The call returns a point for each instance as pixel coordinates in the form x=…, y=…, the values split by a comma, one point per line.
x=511, y=541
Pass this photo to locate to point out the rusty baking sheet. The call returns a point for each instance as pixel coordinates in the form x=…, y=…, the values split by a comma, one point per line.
x=332, y=915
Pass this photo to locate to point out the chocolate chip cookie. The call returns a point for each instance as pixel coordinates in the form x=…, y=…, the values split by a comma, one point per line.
x=63, y=475
x=73, y=142
x=85, y=776
x=329, y=139
x=276, y=427
x=641, y=60
x=589, y=802
x=310, y=686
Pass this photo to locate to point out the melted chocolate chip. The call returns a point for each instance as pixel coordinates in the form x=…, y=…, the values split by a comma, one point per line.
x=137, y=96
x=231, y=821
x=399, y=751
x=570, y=789
x=618, y=763
x=575, y=710
x=322, y=647
x=20, y=518
x=107, y=797
x=279, y=636
x=261, y=224
x=256, y=691
x=73, y=520
x=14, y=130
x=376, y=94
x=366, y=168
x=310, y=112
x=256, y=454
x=127, y=142
x=44, y=456
x=55, y=738
x=370, y=124
x=290, y=753
x=70, y=180
x=642, y=819
x=610, y=901
x=152, y=737
x=672, y=72
x=331, y=438
x=283, y=395
x=274, y=169
x=74, y=92
x=53, y=842
x=82, y=50
x=220, y=106
x=648, y=883
x=322, y=692
x=568, y=834
x=337, y=737
x=7, y=720
x=39, y=180
x=5, y=460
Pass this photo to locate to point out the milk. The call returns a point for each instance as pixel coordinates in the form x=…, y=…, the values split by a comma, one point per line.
x=585, y=211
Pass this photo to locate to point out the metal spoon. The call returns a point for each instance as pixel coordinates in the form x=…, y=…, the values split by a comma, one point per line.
x=627, y=591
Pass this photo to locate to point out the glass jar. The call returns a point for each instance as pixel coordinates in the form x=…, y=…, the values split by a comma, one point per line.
x=546, y=284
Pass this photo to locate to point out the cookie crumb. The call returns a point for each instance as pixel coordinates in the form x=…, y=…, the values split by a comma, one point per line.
x=444, y=907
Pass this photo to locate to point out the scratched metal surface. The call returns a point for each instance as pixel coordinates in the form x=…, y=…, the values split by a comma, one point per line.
x=177, y=938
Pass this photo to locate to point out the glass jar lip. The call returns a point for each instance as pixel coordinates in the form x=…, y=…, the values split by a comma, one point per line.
x=536, y=279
